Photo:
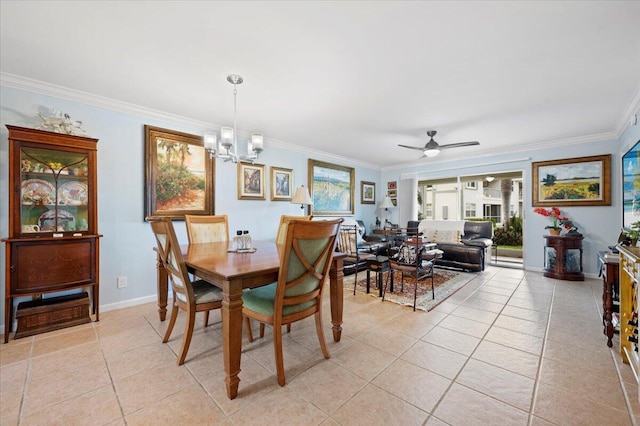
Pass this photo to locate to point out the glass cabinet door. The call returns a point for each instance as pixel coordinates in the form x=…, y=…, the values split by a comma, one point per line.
x=550, y=258
x=54, y=191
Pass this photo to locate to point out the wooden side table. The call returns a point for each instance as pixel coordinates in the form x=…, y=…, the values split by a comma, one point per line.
x=563, y=257
x=378, y=265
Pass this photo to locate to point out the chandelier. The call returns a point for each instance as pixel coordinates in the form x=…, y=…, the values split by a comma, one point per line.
x=226, y=149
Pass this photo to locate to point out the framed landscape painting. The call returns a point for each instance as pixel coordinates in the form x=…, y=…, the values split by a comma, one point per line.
x=332, y=189
x=178, y=174
x=367, y=192
x=251, y=181
x=581, y=181
x=281, y=180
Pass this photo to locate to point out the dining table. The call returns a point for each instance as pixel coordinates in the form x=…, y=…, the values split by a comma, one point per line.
x=233, y=272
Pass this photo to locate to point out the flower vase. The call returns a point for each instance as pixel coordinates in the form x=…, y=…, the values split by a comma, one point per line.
x=553, y=231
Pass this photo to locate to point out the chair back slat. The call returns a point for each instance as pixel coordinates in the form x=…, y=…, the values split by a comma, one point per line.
x=348, y=240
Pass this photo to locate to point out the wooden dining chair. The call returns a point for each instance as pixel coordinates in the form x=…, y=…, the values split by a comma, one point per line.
x=207, y=229
x=284, y=221
x=348, y=244
x=305, y=259
x=190, y=296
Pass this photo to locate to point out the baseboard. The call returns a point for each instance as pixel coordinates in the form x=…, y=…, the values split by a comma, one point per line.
x=128, y=303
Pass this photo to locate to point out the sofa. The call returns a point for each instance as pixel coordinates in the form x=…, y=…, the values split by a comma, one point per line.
x=466, y=244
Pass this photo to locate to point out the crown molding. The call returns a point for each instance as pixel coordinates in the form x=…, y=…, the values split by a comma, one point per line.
x=48, y=89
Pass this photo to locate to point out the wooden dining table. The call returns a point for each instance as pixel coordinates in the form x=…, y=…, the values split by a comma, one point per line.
x=233, y=272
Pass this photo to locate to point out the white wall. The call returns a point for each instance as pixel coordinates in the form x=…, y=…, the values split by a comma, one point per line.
x=126, y=248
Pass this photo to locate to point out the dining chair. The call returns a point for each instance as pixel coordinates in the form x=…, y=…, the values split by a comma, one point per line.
x=190, y=296
x=207, y=229
x=305, y=259
x=348, y=244
x=284, y=221
x=411, y=259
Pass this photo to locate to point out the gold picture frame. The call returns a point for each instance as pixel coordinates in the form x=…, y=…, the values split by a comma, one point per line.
x=281, y=181
x=580, y=181
x=251, y=181
x=331, y=189
x=179, y=175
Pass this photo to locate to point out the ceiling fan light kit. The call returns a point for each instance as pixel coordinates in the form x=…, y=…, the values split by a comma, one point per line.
x=432, y=148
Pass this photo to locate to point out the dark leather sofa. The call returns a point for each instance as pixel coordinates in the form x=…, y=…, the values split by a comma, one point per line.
x=474, y=250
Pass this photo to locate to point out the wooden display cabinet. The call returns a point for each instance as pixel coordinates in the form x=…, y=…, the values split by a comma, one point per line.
x=563, y=257
x=629, y=276
x=53, y=242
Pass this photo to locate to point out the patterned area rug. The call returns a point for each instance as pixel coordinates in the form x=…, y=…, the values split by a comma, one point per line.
x=446, y=283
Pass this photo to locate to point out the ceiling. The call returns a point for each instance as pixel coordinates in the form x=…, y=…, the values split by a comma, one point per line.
x=353, y=79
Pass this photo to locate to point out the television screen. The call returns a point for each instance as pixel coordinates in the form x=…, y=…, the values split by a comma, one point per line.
x=631, y=186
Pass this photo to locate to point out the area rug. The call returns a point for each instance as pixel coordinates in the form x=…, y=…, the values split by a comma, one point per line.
x=446, y=283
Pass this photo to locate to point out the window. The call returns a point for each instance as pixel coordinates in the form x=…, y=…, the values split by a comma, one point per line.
x=471, y=184
x=428, y=211
x=469, y=210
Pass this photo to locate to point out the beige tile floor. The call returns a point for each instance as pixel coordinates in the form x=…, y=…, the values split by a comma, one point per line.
x=511, y=347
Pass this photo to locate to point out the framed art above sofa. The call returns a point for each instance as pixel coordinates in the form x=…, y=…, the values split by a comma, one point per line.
x=581, y=181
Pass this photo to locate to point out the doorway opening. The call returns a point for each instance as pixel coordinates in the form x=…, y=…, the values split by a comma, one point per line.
x=495, y=197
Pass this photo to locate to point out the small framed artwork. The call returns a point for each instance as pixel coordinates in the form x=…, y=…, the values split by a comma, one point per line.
x=581, y=181
x=179, y=175
x=392, y=193
x=394, y=201
x=367, y=192
x=392, y=184
x=332, y=189
x=281, y=180
x=251, y=181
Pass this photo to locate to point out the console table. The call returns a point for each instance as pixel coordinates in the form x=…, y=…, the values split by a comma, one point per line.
x=609, y=269
x=563, y=257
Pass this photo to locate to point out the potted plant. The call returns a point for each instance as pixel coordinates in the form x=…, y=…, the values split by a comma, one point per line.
x=633, y=232
x=555, y=215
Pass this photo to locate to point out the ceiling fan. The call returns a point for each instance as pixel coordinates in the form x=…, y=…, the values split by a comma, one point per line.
x=432, y=148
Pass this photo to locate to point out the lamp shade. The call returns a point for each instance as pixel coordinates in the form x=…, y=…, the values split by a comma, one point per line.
x=301, y=196
x=386, y=203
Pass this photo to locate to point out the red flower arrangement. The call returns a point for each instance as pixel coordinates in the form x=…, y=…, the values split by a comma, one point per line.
x=555, y=214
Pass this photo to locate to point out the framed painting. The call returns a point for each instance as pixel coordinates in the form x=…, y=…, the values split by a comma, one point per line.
x=631, y=186
x=392, y=184
x=251, y=181
x=332, y=189
x=367, y=192
x=581, y=181
x=281, y=180
x=179, y=175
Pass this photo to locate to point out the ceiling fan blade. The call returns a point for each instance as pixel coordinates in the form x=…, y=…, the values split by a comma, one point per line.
x=421, y=148
x=459, y=144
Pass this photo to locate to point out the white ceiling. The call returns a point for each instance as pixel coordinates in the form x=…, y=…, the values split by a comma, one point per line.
x=350, y=78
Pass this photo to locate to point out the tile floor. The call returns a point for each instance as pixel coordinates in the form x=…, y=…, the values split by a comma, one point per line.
x=511, y=347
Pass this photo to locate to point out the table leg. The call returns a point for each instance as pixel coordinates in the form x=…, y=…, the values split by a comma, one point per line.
x=232, y=334
x=163, y=289
x=336, y=276
x=368, y=275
